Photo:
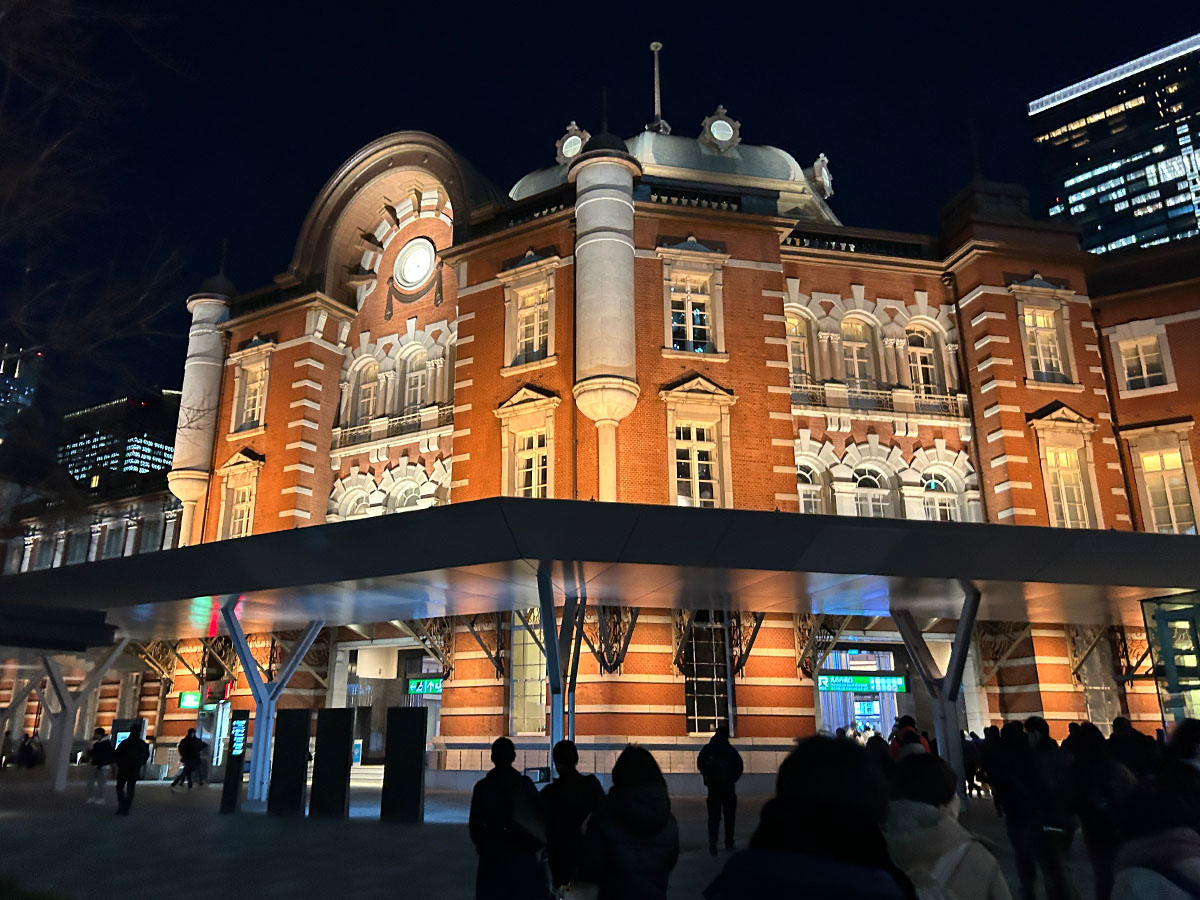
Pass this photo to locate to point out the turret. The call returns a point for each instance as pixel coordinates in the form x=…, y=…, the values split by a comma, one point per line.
x=191, y=467
x=606, y=388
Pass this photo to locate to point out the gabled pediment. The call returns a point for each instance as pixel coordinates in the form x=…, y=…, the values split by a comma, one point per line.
x=527, y=398
x=1059, y=415
x=244, y=458
x=694, y=386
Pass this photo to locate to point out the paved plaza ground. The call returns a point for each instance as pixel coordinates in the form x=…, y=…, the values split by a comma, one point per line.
x=176, y=847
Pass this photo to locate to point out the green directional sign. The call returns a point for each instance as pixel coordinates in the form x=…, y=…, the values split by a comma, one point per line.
x=865, y=684
x=189, y=699
x=425, y=685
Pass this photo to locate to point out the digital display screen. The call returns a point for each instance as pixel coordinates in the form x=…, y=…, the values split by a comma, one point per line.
x=189, y=699
x=425, y=685
x=237, y=737
x=884, y=684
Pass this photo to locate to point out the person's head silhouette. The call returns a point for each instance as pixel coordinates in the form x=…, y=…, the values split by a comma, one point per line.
x=504, y=753
x=565, y=756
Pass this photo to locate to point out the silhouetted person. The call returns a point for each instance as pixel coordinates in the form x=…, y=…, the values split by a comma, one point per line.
x=566, y=804
x=1160, y=856
x=100, y=758
x=131, y=754
x=721, y=766
x=1138, y=752
x=1052, y=826
x=7, y=749
x=26, y=755
x=820, y=835
x=905, y=726
x=879, y=755
x=189, y=758
x=506, y=828
x=1184, y=744
x=989, y=760
x=926, y=840
x=1099, y=787
x=631, y=842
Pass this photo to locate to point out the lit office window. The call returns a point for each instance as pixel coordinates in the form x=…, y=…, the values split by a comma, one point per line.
x=1142, y=362
x=695, y=465
x=532, y=464
x=1067, y=495
x=856, y=352
x=528, y=667
x=872, y=497
x=690, y=307
x=1043, y=345
x=1167, y=488
x=921, y=362
x=808, y=486
x=533, y=326
x=939, y=500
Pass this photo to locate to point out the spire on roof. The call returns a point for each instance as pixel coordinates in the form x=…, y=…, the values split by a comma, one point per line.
x=659, y=125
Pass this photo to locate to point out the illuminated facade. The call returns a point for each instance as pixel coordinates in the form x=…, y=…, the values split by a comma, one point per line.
x=664, y=320
x=1117, y=150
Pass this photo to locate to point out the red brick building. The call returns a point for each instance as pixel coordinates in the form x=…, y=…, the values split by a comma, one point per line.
x=680, y=319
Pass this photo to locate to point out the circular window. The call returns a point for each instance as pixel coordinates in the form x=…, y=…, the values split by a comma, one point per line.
x=572, y=145
x=415, y=263
x=721, y=130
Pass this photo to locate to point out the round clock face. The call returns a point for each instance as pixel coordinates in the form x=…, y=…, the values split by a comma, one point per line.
x=572, y=145
x=721, y=130
x=415, y=263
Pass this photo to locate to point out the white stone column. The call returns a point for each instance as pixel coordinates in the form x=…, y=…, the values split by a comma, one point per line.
x=27, y=552
x=606, y=388
x=199, y=404
x=94, y=532
x=60, y=546
x=131, y=533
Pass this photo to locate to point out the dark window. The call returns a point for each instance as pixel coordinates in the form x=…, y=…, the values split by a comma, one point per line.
x=705, y=671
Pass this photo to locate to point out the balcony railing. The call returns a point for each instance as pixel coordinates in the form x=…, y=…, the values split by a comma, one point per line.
x=943, y=404
x=805, y=391
x=396, y=426
x=864, y=395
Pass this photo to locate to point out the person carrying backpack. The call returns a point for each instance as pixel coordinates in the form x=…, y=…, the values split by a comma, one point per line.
x=721, y=766
x=926, y=840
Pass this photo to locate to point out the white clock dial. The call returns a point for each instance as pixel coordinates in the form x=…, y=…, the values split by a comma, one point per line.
x=721, y=130
x=415, y=263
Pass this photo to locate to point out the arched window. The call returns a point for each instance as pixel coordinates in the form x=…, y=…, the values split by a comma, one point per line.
x=353, y=505
x=940, y=500
x=810, y=487
x=403, y=497
x=872, y=497
x=857, y=354
x=367, y=402
x=416, y=382
x=799, y=358
x=921, y=361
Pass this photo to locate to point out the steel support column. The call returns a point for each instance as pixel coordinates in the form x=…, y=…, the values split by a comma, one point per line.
x=266, y=694
x=944, y=689
x=561, y=646
x=63, y=722
x=17, y=698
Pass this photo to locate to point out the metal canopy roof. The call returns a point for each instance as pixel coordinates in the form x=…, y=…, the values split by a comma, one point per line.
x=483, y=556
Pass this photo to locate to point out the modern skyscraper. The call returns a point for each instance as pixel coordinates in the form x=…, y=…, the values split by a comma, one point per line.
x=124, y=438
x=1117, y=149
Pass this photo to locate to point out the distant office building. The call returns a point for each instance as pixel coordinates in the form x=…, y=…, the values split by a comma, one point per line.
x=1118, y=150
x=18, y=382
x=124, y=438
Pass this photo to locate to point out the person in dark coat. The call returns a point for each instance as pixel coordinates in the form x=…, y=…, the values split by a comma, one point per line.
x=721, y=766
x=1138, y=752
x=100, y=757
x=905, y=734
x=506, y=828
x=566, y=805
x=189, y=758
x=1055, y=820
x=821, y=835
x=131, y=754
x=1100, y=786
x=631, y=843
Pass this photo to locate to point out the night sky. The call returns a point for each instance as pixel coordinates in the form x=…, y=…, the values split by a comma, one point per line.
x=227, y=118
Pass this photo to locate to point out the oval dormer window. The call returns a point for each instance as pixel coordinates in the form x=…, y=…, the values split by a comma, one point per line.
x=721, y=130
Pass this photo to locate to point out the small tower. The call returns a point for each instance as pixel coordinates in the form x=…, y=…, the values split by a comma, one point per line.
x=191, y=467
x=606, y=388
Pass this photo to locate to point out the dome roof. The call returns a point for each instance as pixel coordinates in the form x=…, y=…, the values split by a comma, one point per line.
x=671, y=151
x=218, y=284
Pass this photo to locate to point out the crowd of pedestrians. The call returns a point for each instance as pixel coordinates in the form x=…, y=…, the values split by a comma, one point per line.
x=880, y=819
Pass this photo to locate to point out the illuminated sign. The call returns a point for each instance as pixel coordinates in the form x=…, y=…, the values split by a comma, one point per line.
x=237, y=737
x=425, y=685
x=189, y=699
x=884, y=684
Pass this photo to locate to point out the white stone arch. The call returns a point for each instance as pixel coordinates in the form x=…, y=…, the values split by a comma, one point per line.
x=938, y=320
x=346, y=494
x=802, y=364
x=432, y=489
x=956, y=468
x=355, y=362
x=888, y=461
x=814, y=477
